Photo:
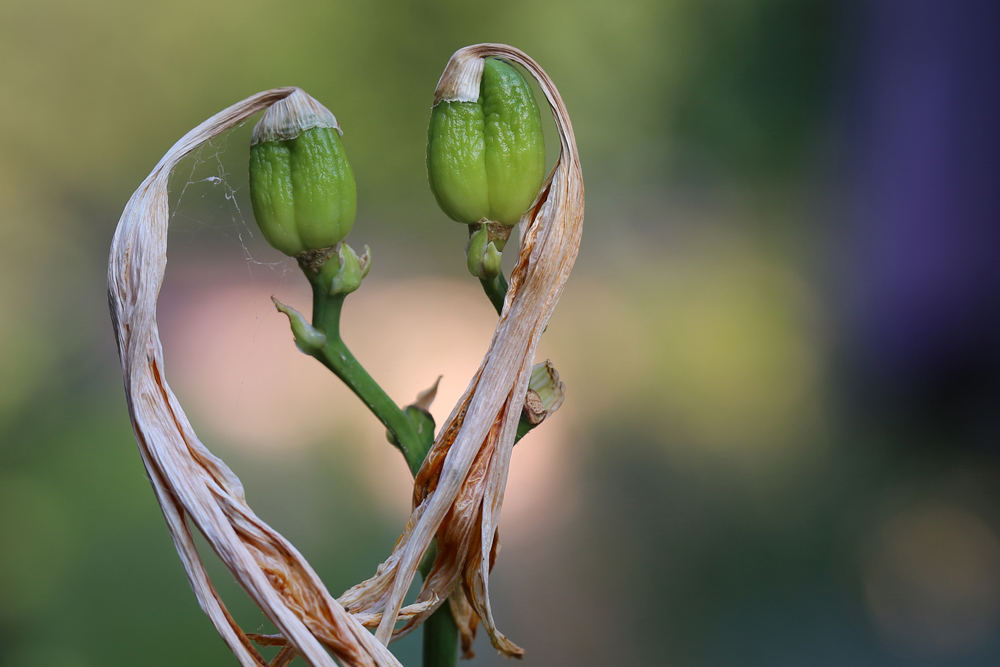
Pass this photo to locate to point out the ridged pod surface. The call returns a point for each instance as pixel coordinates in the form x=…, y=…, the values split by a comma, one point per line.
x=486, y=159
x=302, y=190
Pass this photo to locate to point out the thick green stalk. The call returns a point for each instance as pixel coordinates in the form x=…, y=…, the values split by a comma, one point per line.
x=440, y=631
x=440, y=639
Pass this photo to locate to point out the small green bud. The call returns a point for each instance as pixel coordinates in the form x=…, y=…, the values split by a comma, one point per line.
x=423, y=424
x=307, y=338
x=491, y=262
x=345, y=276
x=482, y=255
x=486, y=159
x=420, y=417
x=545, y=394
x=301, y=185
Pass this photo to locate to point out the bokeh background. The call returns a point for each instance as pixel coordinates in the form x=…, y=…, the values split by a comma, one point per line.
x=781, y=343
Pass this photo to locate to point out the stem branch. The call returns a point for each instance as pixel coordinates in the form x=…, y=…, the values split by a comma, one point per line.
x=336, y=357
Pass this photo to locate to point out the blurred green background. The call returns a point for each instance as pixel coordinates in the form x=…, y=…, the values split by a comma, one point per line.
x=713, y=492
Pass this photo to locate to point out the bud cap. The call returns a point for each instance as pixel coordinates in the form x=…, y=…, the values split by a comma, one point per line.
x=290, y=117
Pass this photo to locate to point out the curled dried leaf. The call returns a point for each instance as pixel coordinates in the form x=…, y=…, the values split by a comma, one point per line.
x=189, y=481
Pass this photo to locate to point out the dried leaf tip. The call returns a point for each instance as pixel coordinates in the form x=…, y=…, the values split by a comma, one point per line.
x=461, y=78
x=290, y=117
x=427, y=396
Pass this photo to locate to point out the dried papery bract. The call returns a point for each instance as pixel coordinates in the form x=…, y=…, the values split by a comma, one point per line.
x=459, y=490
x=191, y=483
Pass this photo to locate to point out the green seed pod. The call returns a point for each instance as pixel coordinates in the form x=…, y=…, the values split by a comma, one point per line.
x=486, y=159
x=301, y=185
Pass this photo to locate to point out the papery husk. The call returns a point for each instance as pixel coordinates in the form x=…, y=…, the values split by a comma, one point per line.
x=458, y=493
x=192, y=484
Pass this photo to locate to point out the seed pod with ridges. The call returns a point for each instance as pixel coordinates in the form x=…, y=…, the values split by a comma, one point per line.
x=486, y=158
x=301, y=185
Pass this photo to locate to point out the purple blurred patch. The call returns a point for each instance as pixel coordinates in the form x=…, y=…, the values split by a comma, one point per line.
x=923, y=252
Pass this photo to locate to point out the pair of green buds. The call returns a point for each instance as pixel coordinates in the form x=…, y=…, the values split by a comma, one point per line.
x=485, y=162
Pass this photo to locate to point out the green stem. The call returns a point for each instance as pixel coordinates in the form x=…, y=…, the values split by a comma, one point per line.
x=440, y=631
x=496, y=290
x=440, y=639
x=336, y=357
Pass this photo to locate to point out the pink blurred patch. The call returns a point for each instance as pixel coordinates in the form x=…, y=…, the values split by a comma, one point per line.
x=233, y=364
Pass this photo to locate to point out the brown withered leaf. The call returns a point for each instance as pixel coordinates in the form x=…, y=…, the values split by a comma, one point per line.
x=189, y=481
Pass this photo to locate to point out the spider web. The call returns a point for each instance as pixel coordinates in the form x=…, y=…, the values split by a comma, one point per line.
x=212, y=227
x=211, y=208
